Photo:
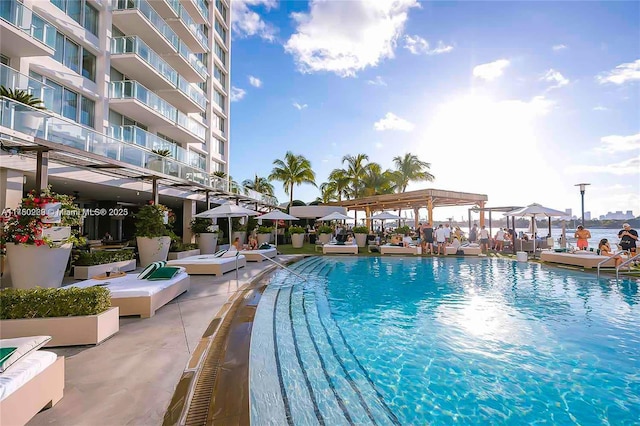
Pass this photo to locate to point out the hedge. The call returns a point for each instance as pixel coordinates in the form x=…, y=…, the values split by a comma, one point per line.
x=101, y=257
x=360, y=230
x=17, y=303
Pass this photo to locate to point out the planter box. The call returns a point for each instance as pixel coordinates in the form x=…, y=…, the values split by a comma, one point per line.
x=207, y=242
x=361, y=239
x=152, y=249
x=297, y=240
x=37, y=266
x=324, y=238
x=264, y=239
x=86, y=272
x=66, y=331
x=175, y=255
x=240, y=234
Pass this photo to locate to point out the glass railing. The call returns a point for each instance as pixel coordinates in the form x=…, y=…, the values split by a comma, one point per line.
x=193, y=91
x=133, y=44
x=193, y=60
x=221, y=31
x=12, y=79
x=137, y=136
x=202, y=7
x=149, y=12
x=28, y=21
x=222, y=9
x=193, y=27
x=131, y=89
x=43, y=124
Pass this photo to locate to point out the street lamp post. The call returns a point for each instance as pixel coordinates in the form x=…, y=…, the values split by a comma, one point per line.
x=582, y=188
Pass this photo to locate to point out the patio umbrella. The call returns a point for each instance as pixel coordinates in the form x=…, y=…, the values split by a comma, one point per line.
x=384, y=216
x=336, y=216
x=534, y=210
x=277, y=215
x=228, y=211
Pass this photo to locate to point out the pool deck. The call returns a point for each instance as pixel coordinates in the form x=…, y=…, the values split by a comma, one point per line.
x=130, y=378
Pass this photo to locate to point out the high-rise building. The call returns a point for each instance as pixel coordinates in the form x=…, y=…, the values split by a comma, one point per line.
x=135, y=89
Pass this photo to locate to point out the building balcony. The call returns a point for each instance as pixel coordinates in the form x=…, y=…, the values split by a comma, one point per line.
x=198, y=10
x=132, y=99
x=182, y=24
x=23, y=32
x=139, y=18
x=187, y=64
x=24, y=123
x=137, y=136
x=12, y=79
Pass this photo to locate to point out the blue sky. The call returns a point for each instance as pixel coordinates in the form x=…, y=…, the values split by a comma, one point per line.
x=516, y=100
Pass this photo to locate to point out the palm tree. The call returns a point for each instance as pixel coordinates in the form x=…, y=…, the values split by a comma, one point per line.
x=293, y=171
x=340, y=181
x=21, y=96
x=410, y=168
x=328, y=192
x=355, y=171
x=377, y=182
x=259, y=184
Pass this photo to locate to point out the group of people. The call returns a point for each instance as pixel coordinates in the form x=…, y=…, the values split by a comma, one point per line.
x=253, y=243
x=435, y=240
x=628, y=238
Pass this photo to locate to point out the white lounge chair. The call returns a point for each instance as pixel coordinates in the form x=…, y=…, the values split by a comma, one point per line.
x=389, y=249
x=210, y=264
x=258, y=254
x=340, y=249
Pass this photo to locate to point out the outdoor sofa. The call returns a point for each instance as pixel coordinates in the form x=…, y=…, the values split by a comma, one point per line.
x=584, y=259
x=210, y=264
x=141, y=297
x=340, y=248
x=31, y=384
x=401, y=250
x=257, y=255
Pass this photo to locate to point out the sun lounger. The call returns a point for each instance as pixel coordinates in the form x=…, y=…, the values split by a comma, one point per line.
x=141, y=297
x=389, y=249
x=583, y=259
x=340, y=249
x=35, y=382
x=471, y=249
x=258, y=254
x=209, y=264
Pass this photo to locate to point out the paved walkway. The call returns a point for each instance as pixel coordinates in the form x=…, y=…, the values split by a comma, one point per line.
x=130, y=378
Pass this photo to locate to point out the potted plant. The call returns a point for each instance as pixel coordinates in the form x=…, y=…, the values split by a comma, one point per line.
x=153, y=233
x=297, y=236
x=324, y=234
x=264, y=235
x=403, y=230
x=89, y=264
x=206, y=234
x=26, y=119
x=156, y=162
x=361, y=235
x=179, y=250
x=28, y=235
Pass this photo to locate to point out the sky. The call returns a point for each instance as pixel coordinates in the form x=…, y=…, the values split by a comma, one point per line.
x=513, y=99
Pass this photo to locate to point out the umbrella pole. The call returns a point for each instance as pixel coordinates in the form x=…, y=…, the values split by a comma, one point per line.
x=276, y=233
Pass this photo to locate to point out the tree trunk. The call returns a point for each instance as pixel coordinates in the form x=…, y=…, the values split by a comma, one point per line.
x=290, y=198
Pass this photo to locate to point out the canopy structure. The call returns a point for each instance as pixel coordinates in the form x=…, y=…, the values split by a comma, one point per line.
x=385, y=216
x=423, y=198
x=533, y=210
x=336, y=216
x=277, y=215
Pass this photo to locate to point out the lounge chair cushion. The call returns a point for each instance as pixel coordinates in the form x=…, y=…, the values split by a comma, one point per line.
x=164, y=273
x=146, y=272
x=23, y=347
x=22, y=372
x=230, y=253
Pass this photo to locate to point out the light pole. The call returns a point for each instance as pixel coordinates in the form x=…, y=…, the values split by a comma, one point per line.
x=582, y=188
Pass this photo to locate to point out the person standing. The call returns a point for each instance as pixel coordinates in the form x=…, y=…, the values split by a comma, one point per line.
x=582, y=235
x=447, y=233
x=628, y=238
x=441, y=239
x=473, y=234
x=427, y=235
x=484, y=239
x=499, y=240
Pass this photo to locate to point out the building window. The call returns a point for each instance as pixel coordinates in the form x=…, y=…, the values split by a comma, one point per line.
x=221, y=54
x=220, y=76
x=81, y=12
x=67, y=103
x=222, y=9
x=69, y=53
x=197, y=160
x=4, y=60
x=70, y=104
x=88, y=65
x=221, y=147
x=219, y=99
x=221, y=31
x=87, y=112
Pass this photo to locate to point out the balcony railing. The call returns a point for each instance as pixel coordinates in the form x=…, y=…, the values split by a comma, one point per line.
x=135, y=135
x=12, y=79
x=133, y=44
x=194, y=92
x=42, y=124
x=202, y=7
x=28, y=21
x=131, y=89
x=156, y=20
x=189, y=22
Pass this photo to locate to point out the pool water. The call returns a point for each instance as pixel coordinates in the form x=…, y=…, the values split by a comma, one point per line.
x=417, y=341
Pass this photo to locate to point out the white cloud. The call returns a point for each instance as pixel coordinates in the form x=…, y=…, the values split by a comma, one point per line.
x=237, y=94
x=553, y=76
x=622, y=73
x=600, y=108
x=626, y=167
x=299, y=107
x=616, y=143
x=255, y=81
x=419, y=46
x=379, y=145
x=378, y=81
x=392, y=122
x=345, y=37
x=491, y=70
x=558, y=47
x=246, y=22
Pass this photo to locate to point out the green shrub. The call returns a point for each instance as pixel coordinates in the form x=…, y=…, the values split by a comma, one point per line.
x=324, y=229
x=17, y=303
x=296, y=230
x=405, y=230
x=178, y=246
x=360, y=230
x=265, y=229
x=201, y=225
x=150, y=221
x=102, y=256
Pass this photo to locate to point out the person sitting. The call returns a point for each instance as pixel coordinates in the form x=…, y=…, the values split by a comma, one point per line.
x=253, y=243
x=605, y=250
x=350, y=240
x=107, y=238
x=236, y=243
x=407, y=241
x=396, y=240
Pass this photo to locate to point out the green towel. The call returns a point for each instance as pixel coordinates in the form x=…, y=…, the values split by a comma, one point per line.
x=164, y=273
x=264, y=247
x=6, y=353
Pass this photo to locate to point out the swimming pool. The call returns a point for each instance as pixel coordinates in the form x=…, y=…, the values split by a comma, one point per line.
x=411, y=341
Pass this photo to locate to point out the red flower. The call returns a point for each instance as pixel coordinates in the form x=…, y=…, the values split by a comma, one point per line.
x=38, y=243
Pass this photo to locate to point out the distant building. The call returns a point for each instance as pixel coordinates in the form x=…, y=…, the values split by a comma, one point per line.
x=618, y=215
x=587, y=215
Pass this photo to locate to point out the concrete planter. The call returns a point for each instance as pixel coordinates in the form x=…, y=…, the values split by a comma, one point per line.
x=324, y=238
x=152, y=249
x=175, y=255
x=264, y=239
x=66, y=331
x=240, y=234
x=86, y=272
x=207, y=242
x=297, y=240
x=361, y=240
x=38, y=266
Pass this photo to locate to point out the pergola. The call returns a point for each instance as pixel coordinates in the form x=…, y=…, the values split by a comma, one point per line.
x=415, y=200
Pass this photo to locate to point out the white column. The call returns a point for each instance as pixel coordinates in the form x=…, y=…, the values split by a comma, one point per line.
x=188, y=211
x=11, y=187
